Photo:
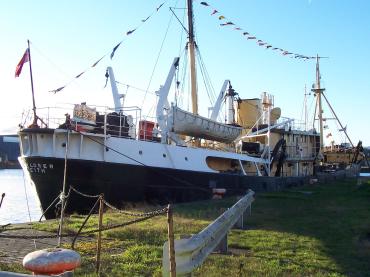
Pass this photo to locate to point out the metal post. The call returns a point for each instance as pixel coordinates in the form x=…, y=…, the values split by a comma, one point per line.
x=100, y=223
x=222, y=247
x=34, y=124
x=171, y=241
x=2, y=198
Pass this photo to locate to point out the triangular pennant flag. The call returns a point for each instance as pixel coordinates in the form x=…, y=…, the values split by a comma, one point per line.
x=160, y=6
x=227, y=23
x=237, y=28
x=245, y=33
x=204, y=4
x=251, y=37
x=143, y=20
x=79, y=75
x=57, y=90
x=97, y=61
x=343, y=129
x=114, y=50
x=221, y=17
x=214, y=12
x=130, y=32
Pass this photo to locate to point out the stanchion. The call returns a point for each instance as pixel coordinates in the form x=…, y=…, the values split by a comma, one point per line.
x=98, y=245
x=2, y=198
x=171, y=241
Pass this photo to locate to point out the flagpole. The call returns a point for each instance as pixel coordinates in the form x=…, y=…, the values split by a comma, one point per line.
x=34, y=123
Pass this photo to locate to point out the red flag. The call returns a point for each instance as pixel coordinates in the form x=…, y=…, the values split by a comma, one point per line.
x=24, y=59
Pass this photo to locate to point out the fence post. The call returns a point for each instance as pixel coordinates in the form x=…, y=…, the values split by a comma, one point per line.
x=100, y=223
x=2, y=198
x=171, y=241
x=240, y=223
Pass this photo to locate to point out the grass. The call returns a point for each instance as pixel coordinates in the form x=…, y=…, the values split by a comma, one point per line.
x=321, y=230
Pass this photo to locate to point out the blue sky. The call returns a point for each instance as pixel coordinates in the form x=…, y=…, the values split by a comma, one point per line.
x=68, y=36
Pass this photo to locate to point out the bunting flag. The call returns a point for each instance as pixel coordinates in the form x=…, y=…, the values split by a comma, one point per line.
x=130, y=32
x=344, y=129
x=112, y=52
x=328, y=135
x=79, y=75
x=98, y=61
x=252, y=37
x=25, y=58
x=160, y=6
x=227, y=23
x=144, y=20
x=57, y=90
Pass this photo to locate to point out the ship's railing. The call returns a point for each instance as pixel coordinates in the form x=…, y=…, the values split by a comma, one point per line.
x=127, y=122
x=296, y=124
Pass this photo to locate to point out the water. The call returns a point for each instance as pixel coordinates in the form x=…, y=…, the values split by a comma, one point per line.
x=365, y=174
x=14, y=207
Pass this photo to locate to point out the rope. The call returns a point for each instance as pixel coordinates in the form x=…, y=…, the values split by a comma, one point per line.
x=156, y=62
x=109, y=227
x=52, y=203
x=156, y=212
x=28, y=205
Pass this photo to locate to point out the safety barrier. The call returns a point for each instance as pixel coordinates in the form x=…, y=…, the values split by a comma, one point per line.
x=13, y=274
x=191, y=252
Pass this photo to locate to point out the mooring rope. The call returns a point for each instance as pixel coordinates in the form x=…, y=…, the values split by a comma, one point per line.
x=28, y=205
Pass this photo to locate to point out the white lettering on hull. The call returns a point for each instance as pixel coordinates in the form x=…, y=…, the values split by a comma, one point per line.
x=39, y=167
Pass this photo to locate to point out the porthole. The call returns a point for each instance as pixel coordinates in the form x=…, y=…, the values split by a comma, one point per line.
x=140, y=152
x=164, y=155
x=186, y=158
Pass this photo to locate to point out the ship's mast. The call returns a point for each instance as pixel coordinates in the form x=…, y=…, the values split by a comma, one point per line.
x=318, y=91
x=191, y=48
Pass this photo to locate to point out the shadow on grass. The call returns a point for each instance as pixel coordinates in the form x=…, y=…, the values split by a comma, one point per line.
x=316, y=230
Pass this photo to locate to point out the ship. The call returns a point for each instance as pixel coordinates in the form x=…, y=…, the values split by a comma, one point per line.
x=179, y=156
x=9, y=152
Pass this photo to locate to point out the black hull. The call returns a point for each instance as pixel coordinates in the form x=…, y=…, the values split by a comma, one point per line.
x=122, y=183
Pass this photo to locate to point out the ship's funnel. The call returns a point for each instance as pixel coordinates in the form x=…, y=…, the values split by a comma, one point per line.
x=248, y=112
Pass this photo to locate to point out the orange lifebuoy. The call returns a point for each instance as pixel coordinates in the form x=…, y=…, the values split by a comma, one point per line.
x=51, y=261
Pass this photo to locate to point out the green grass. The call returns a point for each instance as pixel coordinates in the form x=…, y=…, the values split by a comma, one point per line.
x=321, y=230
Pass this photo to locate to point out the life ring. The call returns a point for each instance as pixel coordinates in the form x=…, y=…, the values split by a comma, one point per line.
x=51, y=261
